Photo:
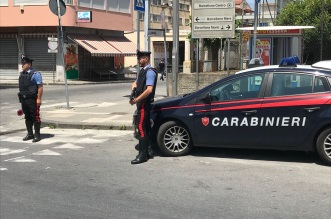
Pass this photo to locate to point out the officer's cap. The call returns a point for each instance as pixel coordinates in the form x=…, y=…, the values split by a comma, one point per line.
x=26, y=59
x=143, y=53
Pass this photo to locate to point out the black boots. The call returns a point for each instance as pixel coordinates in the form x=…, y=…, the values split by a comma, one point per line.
x=150, y=153
x=30, y=135
x=142, y=155
x=36, y=132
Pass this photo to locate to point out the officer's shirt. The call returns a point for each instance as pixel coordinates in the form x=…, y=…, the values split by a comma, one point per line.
x=36, y=77
x=150, y=76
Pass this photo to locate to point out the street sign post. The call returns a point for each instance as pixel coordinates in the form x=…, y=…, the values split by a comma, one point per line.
x=213, y=18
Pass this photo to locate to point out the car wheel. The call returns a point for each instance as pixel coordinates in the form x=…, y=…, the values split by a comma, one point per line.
x=323, y=146
x=174, y=139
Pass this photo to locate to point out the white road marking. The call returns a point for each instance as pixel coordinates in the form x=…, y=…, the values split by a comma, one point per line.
x=3, y=168
x=7, y=151
x=106, y=104
x=101, y=120
x=90, y=140
x=47, y=153
x=69, y=146
x=20, y=160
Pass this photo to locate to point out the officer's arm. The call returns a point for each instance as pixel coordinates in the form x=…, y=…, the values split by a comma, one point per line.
x=40, y=93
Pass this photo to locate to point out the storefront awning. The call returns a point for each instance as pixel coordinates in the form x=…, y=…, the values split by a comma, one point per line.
x=276, y=28
x=98, y=46
x=123, y=44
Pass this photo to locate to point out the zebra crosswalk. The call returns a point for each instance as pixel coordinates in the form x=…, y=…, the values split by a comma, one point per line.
x=54, y=143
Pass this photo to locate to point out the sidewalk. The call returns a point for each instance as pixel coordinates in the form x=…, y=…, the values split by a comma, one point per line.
x=104, y=116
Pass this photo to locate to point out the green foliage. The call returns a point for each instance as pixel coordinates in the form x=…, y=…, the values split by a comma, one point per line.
x=309, y=13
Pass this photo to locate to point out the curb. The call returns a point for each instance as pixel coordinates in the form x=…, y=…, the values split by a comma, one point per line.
x=55, y=125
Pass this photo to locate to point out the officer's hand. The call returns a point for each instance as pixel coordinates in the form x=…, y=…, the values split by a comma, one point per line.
x=38, y=102
x=132, y=101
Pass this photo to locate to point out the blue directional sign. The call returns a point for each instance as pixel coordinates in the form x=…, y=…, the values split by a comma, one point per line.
x=139, y=5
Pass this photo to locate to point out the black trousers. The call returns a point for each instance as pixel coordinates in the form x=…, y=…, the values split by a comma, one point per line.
x=144, y=125
x=30, y=109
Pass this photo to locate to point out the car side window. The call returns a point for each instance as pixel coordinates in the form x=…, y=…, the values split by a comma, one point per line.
x=321, y=85
x=291, y=84
x=245, y=87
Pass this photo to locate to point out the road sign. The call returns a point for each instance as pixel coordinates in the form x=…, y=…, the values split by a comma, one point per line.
x=139, y=5
x=213, y=18
x=155, y=32
x=53, y=7
x=52, y=45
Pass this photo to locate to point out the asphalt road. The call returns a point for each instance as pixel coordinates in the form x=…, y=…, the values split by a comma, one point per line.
x=87, y=174
x=55, y=94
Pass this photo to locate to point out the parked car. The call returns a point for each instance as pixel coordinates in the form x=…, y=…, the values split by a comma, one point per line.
x=270, y=107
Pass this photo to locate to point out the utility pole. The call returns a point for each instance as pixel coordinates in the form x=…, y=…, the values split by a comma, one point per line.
x=175, y=41
x=146, y=25
x=322, y=31
x=255, y=27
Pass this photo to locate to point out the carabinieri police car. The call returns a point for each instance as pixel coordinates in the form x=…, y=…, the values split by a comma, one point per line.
x=285, y=107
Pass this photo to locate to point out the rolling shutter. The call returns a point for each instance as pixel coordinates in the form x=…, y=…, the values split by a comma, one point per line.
x=8, y=58
x=44, y=62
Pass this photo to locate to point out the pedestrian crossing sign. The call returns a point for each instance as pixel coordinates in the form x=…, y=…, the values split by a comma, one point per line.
x=139, y=5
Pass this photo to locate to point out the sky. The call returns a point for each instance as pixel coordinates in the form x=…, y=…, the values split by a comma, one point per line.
x=251, y=2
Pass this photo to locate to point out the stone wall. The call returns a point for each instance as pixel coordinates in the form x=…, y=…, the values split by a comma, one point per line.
x=186, y=82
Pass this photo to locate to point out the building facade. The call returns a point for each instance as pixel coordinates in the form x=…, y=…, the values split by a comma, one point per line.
x=93, y=35
x=161, y=17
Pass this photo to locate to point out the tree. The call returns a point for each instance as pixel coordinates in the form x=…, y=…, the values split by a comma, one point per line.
x=317, y=13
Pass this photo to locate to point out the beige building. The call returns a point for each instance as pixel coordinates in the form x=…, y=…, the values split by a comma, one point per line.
x=157, y=7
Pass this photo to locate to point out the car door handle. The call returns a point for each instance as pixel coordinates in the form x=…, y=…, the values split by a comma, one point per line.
x=249, y=112
x=312, y=109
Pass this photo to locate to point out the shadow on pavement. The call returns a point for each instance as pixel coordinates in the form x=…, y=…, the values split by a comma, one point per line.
x=257, y=154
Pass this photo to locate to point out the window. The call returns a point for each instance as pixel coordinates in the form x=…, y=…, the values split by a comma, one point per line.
x=169, y=20
x=180, y=22
x=3, y=2
x=187, y=22
x=156, y=18
x=184, y=7
x=28, y=2
x=98, y=4
x=321, y=85
x=291, y=84
x=238, y=89
x=156, y=2
x=69, y=2
x=141, y=16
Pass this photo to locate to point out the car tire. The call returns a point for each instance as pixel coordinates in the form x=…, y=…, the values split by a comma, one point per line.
x=323, y=146
x=174, y=139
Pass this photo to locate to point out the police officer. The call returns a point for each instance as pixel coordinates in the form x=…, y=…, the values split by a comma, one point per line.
x=30, y=93
x=145, y=85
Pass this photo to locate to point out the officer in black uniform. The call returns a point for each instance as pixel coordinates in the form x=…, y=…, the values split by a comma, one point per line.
x=145, y=86
x=30, y=93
